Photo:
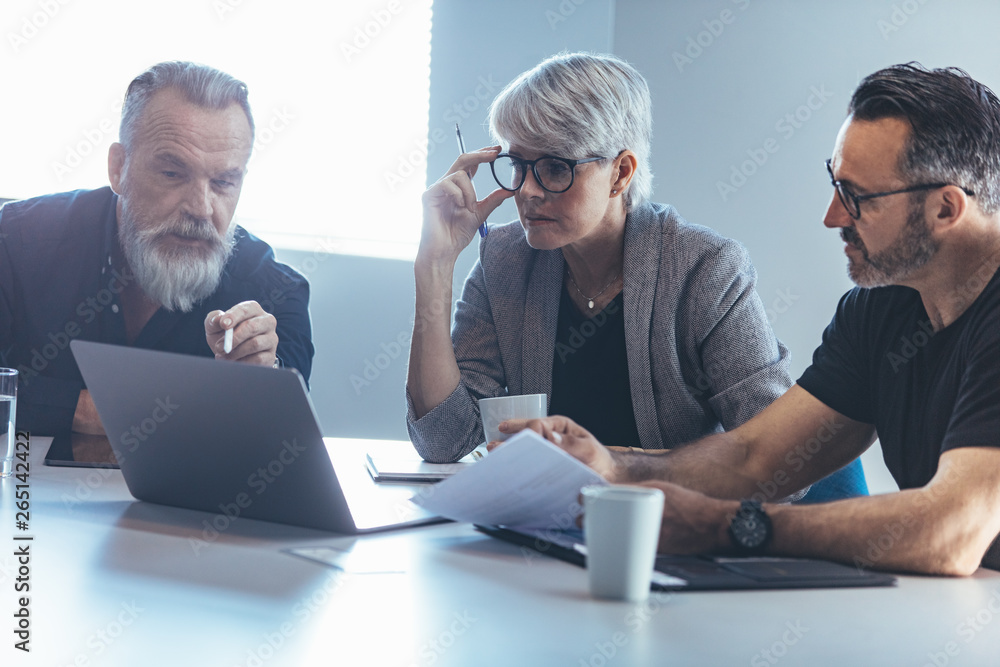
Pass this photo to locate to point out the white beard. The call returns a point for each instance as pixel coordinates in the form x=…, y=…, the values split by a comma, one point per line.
x=176, y=277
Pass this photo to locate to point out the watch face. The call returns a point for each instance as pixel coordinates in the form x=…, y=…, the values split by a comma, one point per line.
x=750, y=527
x=753, y=532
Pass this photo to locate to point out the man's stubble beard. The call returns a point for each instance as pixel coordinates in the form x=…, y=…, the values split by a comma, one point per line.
x=911, y=251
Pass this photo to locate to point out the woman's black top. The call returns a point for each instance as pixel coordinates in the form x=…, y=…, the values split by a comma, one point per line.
x=590, y=382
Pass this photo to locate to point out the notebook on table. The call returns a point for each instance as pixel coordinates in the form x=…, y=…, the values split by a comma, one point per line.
x=408, y=467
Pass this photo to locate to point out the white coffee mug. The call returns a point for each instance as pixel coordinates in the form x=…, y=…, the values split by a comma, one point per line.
x=621, y=526
x=495, y=410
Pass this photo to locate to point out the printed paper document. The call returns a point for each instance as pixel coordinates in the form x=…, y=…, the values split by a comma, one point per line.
x=526, y=483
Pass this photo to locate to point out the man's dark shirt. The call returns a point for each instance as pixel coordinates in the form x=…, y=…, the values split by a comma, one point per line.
x=926, y=393
x=57, y=284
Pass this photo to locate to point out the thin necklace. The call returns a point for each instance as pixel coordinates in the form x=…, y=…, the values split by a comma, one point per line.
x=590, y=299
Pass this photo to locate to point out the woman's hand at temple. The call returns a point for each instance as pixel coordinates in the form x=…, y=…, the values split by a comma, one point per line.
x=452, y=212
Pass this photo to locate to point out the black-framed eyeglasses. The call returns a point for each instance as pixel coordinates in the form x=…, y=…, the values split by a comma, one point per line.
x=554, y=174
x=852, y=202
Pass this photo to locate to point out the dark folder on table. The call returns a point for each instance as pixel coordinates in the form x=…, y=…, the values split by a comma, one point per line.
x=710, y=573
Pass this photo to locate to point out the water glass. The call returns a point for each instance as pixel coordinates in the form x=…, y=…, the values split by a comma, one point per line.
x=8, y=410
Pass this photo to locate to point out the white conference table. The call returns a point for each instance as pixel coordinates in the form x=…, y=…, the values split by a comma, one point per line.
x=119, y=582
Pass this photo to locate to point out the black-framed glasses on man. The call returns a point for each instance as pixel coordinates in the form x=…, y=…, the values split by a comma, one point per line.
x=554, y=174
x=852, y=202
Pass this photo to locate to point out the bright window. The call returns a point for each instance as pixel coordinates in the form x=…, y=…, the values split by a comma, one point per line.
x=339, y=93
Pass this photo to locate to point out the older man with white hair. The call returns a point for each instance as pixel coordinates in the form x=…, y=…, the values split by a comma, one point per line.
x=154, y=261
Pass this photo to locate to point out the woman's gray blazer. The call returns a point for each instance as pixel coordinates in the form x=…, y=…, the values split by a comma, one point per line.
x=701, y=354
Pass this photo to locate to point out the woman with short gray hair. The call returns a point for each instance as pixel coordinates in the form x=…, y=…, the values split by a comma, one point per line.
x=641, y=327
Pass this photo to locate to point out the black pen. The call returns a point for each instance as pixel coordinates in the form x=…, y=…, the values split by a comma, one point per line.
x=483, y=229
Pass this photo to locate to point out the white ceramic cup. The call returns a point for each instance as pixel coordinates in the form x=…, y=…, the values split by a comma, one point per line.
x=621, y=526
x=495, y=410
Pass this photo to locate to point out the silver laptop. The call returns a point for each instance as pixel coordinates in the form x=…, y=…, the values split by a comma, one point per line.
x=230, y=438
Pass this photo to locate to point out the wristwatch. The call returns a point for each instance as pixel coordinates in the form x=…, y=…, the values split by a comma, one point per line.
x=750, y=530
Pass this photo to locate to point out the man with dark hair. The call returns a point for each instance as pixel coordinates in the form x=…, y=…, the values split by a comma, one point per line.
x=155, y=261
x=912, y=356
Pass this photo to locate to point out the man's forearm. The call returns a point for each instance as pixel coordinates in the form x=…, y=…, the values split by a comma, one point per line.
x=944, y=527
x=715, y=465
x=898, y=531
x=85, y=418
x=794, y=442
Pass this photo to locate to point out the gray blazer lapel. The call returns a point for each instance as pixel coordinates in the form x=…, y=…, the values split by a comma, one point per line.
x=541, y=314
x=643, y=248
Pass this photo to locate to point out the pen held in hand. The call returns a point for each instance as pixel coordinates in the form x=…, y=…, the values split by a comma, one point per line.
x=227, y=342
x=483, y=229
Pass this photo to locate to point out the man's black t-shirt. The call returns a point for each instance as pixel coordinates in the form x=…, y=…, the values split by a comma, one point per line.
x=881, y=363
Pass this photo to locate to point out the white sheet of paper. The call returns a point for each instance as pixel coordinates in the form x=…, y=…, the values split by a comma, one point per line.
x=527, y=482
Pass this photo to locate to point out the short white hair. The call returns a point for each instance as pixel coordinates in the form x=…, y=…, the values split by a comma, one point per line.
x=579, y=105
x=203, y=86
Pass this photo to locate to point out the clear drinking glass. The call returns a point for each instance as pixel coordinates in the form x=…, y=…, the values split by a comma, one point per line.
x=8, y=409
